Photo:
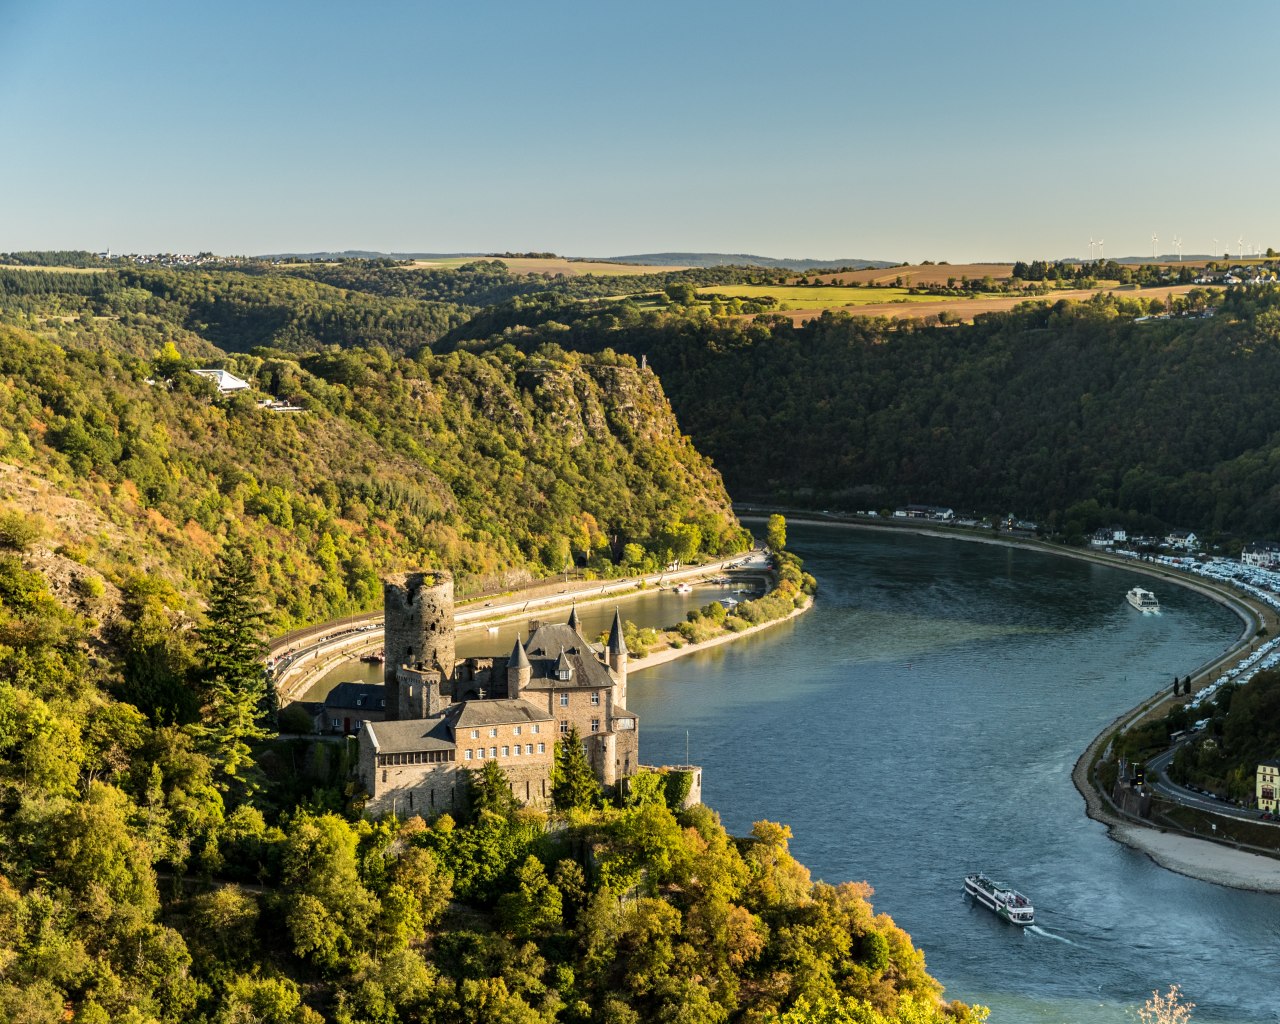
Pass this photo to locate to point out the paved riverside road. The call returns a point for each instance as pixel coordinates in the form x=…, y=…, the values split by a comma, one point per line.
x=1190, y=798
x=314, y=649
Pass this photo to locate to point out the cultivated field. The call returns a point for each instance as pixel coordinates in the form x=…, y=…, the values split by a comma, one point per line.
x=966, y=309
x=819, y=296
x=919, y=275
x=569, y=268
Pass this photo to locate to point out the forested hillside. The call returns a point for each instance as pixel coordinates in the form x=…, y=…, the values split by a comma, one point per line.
x=1076, y=414
x=167, y=858
x=156, y=873
x=499, y=465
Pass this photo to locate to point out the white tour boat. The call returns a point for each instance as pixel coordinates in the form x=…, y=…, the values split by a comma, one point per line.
x=1143, y=600
x=1000, y=900
x=684, y=588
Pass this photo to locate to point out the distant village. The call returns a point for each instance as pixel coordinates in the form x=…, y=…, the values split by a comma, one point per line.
x=170, y=259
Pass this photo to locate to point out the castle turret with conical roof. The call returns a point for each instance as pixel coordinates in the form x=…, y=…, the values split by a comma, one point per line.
x=616, y=659
x=574, y=623
x=519, y=671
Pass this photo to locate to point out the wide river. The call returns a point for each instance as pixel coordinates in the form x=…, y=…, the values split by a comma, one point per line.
x=921, y=722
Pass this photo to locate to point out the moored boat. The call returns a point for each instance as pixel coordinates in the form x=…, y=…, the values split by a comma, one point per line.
x=1143, y=600
x=684, y=588
x=1000, y=899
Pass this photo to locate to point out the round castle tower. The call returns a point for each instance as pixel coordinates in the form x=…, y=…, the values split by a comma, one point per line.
x=418, y=625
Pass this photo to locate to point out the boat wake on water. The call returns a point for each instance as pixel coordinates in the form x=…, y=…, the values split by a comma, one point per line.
x=1035, y=928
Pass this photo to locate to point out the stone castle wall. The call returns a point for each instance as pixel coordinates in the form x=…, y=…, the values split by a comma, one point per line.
x=418, y=609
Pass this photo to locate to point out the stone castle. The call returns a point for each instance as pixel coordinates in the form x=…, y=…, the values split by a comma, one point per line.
x=444, y=716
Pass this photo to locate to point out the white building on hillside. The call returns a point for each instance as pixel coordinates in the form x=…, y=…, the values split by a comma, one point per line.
x=227, y=383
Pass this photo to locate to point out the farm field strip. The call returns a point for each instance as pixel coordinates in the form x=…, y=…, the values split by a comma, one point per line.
x=824, y=296
x=967, y=309
x=570, y=268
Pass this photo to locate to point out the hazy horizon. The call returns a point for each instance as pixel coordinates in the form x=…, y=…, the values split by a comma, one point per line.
x=993, y=133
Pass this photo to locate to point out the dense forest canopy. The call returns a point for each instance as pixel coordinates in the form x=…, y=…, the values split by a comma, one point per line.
x=1078, y=414
x=166, y=857
x=501, y=465
x=161, y=871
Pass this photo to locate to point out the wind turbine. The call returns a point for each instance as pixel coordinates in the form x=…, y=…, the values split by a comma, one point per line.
x=1240, y=246
x=1215, y=247
x=1092, y=243
x=1102, y=253
x=1177, y=244
x=1154, y=240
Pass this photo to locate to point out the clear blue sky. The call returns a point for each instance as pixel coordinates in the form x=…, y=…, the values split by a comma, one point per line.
x=820, y=129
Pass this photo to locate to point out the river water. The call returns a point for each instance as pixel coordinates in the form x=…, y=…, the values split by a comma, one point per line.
x=651, y=608
x=921, y=723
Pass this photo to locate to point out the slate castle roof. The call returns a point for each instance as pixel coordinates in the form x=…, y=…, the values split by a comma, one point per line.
x=357, y=697
x=440, y=732
x=555, y=645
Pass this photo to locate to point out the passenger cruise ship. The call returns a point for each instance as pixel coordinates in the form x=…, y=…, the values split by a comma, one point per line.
x=1143, y=600
x=1000, y=900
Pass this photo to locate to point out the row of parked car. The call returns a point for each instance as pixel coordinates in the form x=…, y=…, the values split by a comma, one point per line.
x=1262, y=585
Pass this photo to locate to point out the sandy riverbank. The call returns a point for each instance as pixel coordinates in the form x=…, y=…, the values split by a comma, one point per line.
x=1197, y=858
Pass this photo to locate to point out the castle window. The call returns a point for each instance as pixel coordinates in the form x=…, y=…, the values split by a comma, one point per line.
x=565, y=673
x=516, y=750
x=535, y=730
x=564, y=728
x=475, y=734
x=384, y=775
x=595, y=699
x=595, y=725
x=493, y=752
x=506, y=751
x=493, y=732
x=528, y=748
x=467, y=756
x=542, y=749
x=564, y=700
x=515, y=731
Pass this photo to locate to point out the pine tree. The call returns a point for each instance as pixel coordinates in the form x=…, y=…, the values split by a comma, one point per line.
x=573, y=783
x=491, y=790
x=233, y=683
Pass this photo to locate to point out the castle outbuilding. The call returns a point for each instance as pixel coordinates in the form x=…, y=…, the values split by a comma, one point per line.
x=444, y=716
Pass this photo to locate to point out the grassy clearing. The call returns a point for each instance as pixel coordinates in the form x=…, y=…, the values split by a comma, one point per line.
x=933, y=273
x=820, y=296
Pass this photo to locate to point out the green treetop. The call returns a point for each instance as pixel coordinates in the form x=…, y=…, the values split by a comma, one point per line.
x=573, y=783
x=232, y=651
x=775, y=534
